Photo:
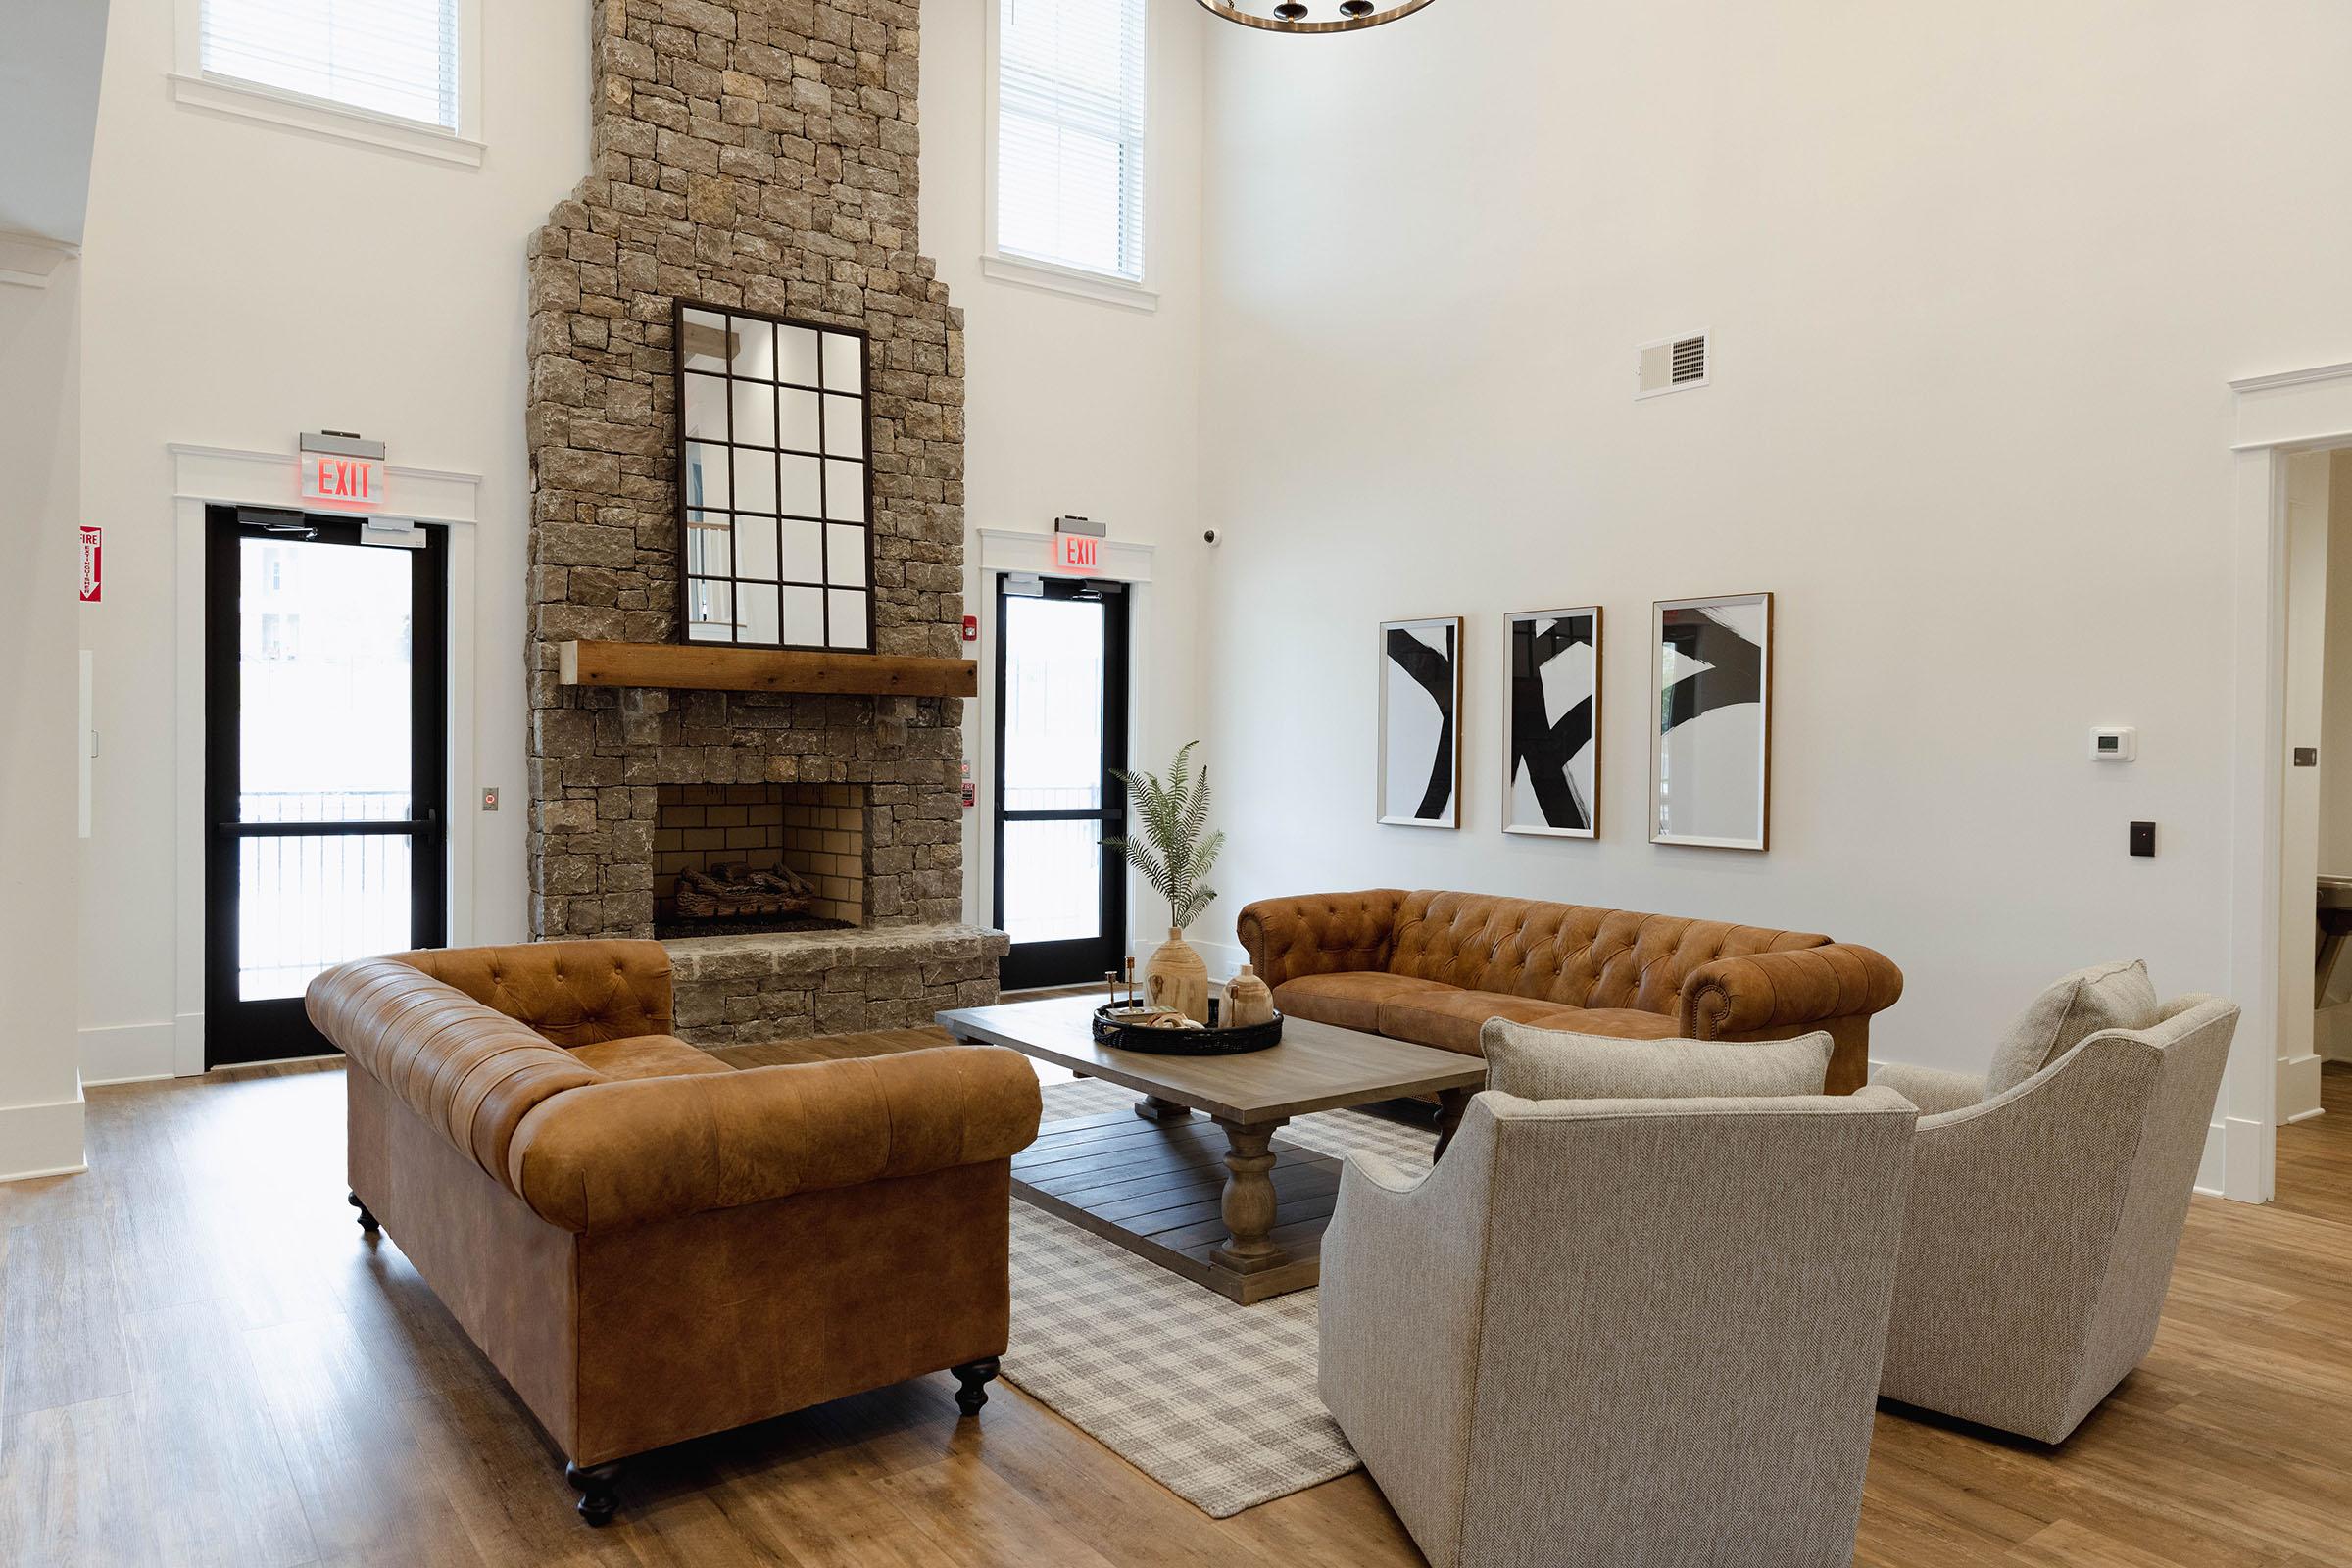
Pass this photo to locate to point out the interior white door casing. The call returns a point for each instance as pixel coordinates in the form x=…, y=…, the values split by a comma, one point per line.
x=2276, y=416
x=221, y=476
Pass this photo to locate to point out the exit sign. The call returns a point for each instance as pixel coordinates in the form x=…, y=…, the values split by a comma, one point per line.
x=346, y=481
x=342, y=468
x=1077, y=552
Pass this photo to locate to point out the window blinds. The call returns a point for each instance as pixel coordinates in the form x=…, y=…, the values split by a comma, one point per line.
x=1071, y=134
x=390, y=57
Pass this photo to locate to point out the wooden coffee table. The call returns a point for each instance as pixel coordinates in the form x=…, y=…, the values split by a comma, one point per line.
x=1223, y=1202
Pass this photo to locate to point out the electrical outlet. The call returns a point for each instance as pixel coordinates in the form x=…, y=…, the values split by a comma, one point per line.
x=489, y=797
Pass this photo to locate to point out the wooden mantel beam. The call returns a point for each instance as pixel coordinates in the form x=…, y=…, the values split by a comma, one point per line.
x=694, y=667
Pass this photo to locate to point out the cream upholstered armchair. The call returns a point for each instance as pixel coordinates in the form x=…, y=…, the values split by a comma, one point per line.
x=2045, y=1209
x=1623, y=1332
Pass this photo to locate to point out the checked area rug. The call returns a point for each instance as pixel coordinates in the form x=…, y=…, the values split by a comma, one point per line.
x=1215, y=1401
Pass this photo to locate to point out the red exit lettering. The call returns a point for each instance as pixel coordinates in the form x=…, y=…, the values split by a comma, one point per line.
x=351, y=481
x=1076, y=552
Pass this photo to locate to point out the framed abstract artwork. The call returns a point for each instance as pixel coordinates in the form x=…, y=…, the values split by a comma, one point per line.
x=1552, y=723
x=1710, y=757
x=1420, y=722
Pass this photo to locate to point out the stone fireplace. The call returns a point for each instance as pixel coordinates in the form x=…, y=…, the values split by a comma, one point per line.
x=760, y=156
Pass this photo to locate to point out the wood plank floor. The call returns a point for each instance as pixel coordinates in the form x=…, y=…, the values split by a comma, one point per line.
x=201, y=1362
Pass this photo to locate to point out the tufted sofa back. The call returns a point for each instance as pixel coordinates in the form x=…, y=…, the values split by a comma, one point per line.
x=1568, y=954
x=575, y=993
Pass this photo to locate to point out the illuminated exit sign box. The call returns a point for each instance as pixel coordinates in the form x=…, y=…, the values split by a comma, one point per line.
x=342, y=470
x=1075, y=552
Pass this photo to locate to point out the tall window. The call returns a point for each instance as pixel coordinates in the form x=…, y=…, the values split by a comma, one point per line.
x=389, y=57
x=1071, y=134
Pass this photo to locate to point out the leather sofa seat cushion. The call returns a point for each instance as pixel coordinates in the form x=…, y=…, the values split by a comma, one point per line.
x=1618, y=1023
x=648, y=1056
x=1451, y=1019
x=1350, y=1000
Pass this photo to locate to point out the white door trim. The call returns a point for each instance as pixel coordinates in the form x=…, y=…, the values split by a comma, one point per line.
x=203, y=477
x=2273, y=416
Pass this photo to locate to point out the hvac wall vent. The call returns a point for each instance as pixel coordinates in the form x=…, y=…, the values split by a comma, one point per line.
x=1672, y=365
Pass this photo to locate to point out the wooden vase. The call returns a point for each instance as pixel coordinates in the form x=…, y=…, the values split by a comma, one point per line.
x=1177, y=978
x=1248, y=1000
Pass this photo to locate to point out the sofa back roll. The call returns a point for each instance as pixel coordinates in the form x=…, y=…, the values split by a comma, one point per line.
x=573, y=992
x=1568, y=954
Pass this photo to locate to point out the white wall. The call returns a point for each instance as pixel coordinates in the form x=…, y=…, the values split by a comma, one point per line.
x=40, y=407
x=1976, y=278
x=244, y=283
x=1075, y=407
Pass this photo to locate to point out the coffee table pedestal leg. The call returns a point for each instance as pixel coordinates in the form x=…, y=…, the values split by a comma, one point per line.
x=1249, y=1203
x=1154, y=1108
x=1451, y=1103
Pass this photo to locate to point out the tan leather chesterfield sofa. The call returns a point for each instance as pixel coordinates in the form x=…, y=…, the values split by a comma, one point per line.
x=648, y=1244
x=1431, y=967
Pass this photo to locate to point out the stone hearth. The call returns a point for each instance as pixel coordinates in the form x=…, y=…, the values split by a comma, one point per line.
x=746, y=991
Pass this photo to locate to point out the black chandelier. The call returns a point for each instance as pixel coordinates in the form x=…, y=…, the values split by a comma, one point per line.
x=1292, y=16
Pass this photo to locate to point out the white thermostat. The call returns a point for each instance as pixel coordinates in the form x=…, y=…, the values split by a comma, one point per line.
x=2115, y=743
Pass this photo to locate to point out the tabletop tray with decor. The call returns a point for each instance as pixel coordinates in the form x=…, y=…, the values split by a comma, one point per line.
x=1232, y=1042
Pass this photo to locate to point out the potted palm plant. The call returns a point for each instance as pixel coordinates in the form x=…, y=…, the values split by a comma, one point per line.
x=1172, y=853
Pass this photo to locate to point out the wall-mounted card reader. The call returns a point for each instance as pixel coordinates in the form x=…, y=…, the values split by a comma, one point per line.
x=2115, y=743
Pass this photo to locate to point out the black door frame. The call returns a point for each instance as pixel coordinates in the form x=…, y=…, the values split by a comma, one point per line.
x=1079, y=959
x=236, y=1031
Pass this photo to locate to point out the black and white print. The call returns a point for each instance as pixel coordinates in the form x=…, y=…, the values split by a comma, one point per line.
x=1710, y=759
x=1420, y=709
x=1552, y=723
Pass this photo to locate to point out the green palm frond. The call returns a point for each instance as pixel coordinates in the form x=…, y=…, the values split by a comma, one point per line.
x=1167, y=849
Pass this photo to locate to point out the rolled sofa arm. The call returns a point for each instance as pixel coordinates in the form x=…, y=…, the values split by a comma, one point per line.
x=575, y=993
x=633, y=1150
x=1932, y=1090
x=1795, y=986
x=1319, y=933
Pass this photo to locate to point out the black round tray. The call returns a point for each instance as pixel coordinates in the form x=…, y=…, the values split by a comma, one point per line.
x=1186, y=1042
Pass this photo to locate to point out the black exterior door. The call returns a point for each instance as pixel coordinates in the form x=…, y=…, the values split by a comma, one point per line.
x=325, y=718
x=1061, y=727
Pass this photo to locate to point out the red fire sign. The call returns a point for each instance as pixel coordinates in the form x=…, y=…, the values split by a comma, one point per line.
x=91, y=564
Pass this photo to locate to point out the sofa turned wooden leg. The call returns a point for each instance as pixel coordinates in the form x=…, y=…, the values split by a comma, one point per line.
x=974, y=1377
x=366, y=1220
x=595, y=1482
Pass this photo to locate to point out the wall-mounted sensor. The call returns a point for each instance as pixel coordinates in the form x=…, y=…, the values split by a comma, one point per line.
x=2119, y=743
x=1210, y=536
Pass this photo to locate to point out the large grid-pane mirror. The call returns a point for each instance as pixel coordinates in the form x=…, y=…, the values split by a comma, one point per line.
x=775, y=488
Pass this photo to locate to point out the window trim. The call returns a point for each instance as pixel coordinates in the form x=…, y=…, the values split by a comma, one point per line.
x=1028, y=272
x=198, y=88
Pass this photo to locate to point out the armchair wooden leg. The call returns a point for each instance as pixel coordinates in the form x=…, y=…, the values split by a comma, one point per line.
x=974, y=1376
x=595, y=1482
x=368, y=1221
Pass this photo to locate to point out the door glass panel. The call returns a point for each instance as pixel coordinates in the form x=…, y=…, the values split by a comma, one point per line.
x=323, y=670
x=1053, y=715
x=307, y=904
x=1052, y=880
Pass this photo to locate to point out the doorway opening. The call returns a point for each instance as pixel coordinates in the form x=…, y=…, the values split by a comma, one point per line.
x=2314, y=1093
x=1061, y=731
x=326, y=764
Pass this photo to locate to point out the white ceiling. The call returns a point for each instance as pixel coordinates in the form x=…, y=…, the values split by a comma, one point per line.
x=50, y=54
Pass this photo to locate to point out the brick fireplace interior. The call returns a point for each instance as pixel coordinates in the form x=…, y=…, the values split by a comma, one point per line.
x=816, y=830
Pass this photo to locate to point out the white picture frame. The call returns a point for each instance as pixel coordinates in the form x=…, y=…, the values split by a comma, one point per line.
x=1419, y=763
x=1551, y=705
x=1710, y=740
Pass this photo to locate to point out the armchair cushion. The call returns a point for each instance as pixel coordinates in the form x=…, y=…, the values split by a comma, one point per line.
x=2107, y=996
x=1536, y=1063
x=1931, y=1089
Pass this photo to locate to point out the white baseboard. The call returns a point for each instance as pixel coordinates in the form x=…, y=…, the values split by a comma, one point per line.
x=2210, y=1164
x=41, y=1140
x=2298, y=1088
x=128, y=1052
